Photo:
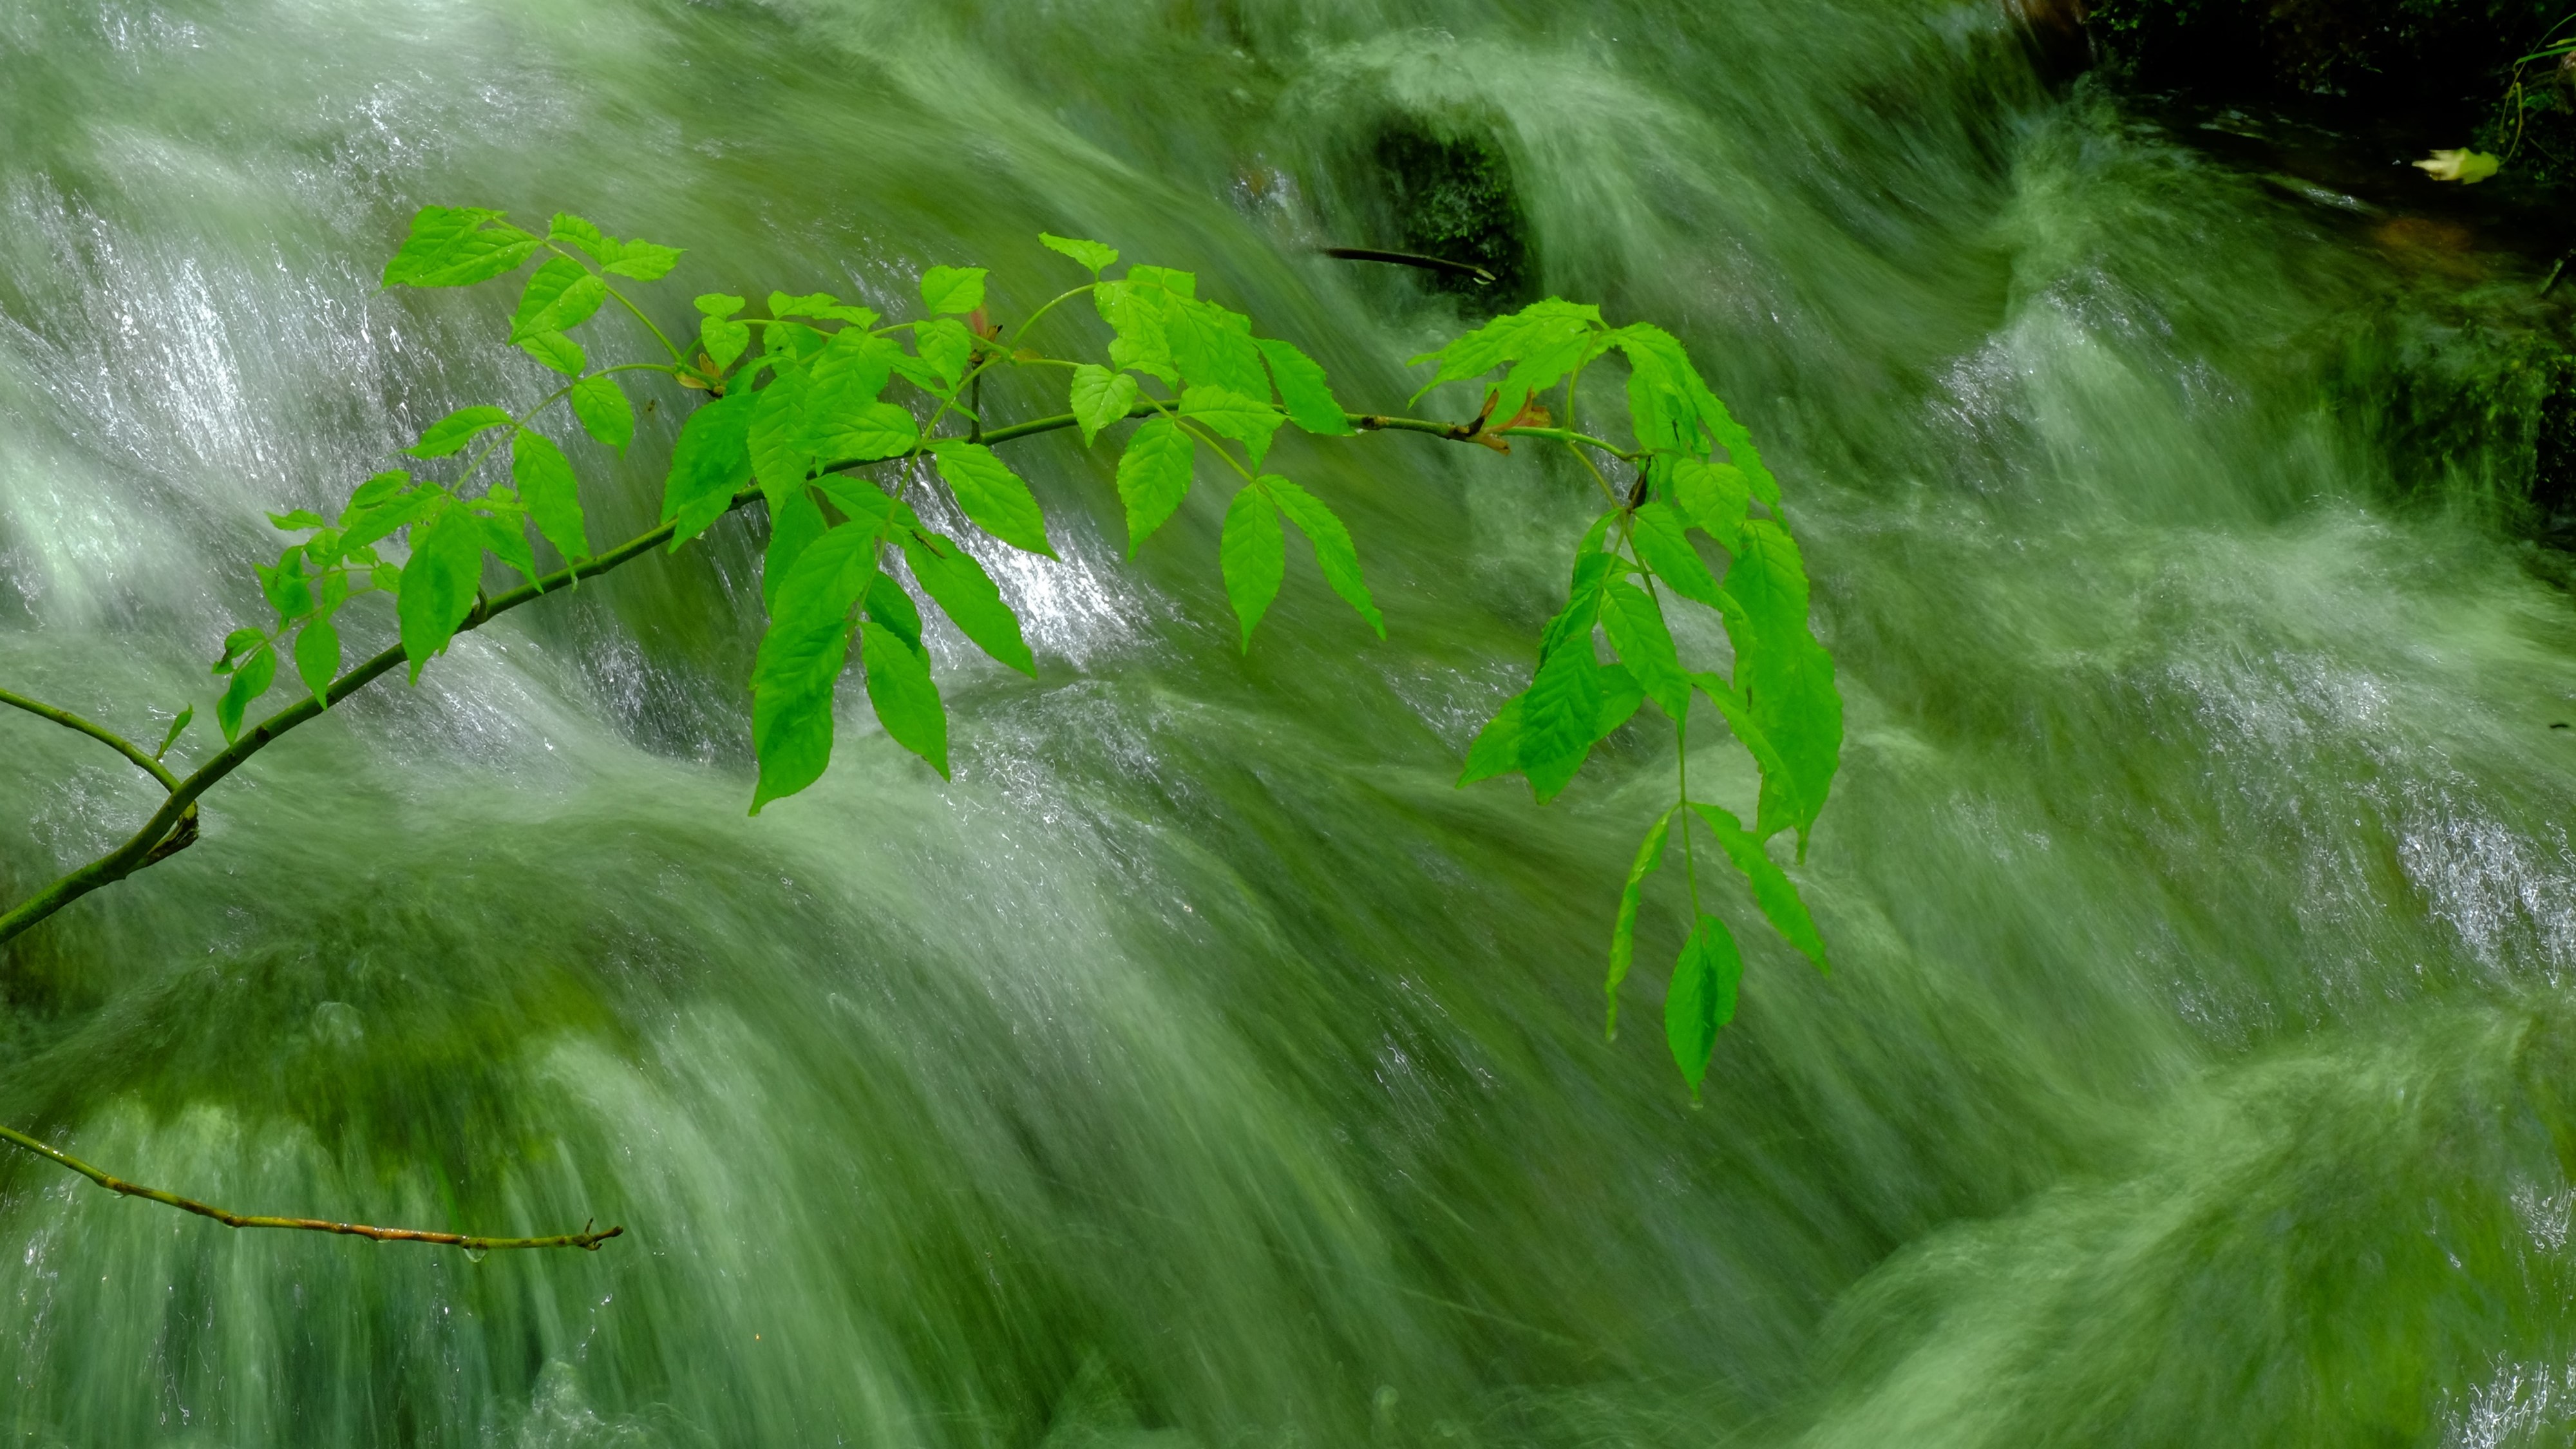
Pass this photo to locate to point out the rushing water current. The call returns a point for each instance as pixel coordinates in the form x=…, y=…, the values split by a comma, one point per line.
x=1200, y=1068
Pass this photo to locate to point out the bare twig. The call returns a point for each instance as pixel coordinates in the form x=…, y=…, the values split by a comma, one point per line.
x=585, y=1239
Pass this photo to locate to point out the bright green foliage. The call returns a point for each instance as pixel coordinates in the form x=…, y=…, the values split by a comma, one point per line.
x=1701, y=998
x=1694, y=522
x=1154, y=476
x=1254, y=553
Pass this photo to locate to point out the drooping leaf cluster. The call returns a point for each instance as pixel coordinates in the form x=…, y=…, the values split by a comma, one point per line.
x=844, y=427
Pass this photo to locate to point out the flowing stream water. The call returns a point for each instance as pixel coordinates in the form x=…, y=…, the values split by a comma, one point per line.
x=1200, y=1068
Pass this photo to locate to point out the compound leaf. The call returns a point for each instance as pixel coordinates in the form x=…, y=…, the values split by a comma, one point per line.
x=457, y=246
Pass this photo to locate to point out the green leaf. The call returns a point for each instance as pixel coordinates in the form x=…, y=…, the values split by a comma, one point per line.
x=1786, y=677
x=506, y=535
x=557, y=351
x=1253, y=553
x=1213, y=347
x=1772, y=889
x=1711, y=496
x=801, y=656
x=583, y=233
x=644, y=261
x=317, y=656
x=1233, y=415
x=946, y=345
x=1623, y=934
x=1561, y=717
x=250, y=681
x=820, y=305
x=374, y=491
x=1637, y=630
x=965, y=593
x=1334, y=553
x=720, y=304
x=1672, y=410
x=1154, y=476
x=178, y=727
x=1535, y=328
x=604, y=411
x=1497, y=750
x=439, y=583
x=992, y=495
x=1089, y=253
x=1139, y=312
x=297, y=521
x=889, y=607
x=709, y=464
x=1663, y=546
x=851, y=370
x=793, y=527
x=781, y=453
x=1310, y=401
x=1701, y=998
x=724, y=340
x=560, y=296
x=879, y=430
x=455, y=430
x=1099, y=397
x=952, y=289
x=906, y=701
x=234, y=643
x=380, y=521
x=456, y=246
x=546, y=483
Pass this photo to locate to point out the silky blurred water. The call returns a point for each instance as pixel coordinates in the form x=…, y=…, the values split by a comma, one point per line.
x=1199, y=1068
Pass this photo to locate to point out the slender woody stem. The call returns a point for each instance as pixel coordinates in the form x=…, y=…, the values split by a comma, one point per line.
x=100, y=733
x=585, y=1239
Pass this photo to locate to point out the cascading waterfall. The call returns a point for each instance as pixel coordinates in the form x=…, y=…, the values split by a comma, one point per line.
x=1200, y=1066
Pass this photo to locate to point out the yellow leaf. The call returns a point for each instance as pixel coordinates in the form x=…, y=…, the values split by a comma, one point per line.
x=2465, y=167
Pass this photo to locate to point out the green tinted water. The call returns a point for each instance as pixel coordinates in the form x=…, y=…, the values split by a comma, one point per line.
x=1200, y=1068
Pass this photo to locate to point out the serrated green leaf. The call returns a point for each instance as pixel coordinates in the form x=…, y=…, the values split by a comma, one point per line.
x=604, y=412
x=965, y=593
x=958, y=290
x=234, y=643
x=1772, y=889
x=906, y=701
x=1539, y=327
x=879, y=430
x=1663, y=546
x=297, y=521
x=642, y=260
x=1099, y=397
x=1672, y=410
x=560, y=296
x=1701, y=999
x=1637, y=630
x=552, y=493
x=889, y=607
x=851, y=370
x=1184, y=285
x=1154, y=476
x=1090, y=254
x=556, y=351
x=1709, y=496
x=992, y=495
x=781, y=452
x=1302, y=388
x=822, y=305
x=1623, y=932
x=317, y=656
x=581, y=232
x=455, y=430
x=366, y=526
x=1252, y=551
x=793, y=527
x=506, y=535
x=1497, y=749
x=801, y=656
x=1138, y=313
x=285, y=586
x=1233, y=415
x=249, y=682
x=1212, y=346
x=710, y=463
x=946, y=346
x=720, y=304
x=1786, y=677
x=374, y=491
x=1334, y=552
x=439, y=582
x=724, y=340
x=1561, y=717
x=456, y=246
